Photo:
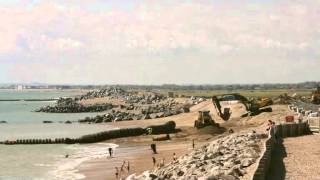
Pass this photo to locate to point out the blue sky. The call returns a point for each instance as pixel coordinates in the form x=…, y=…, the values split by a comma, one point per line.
x=156, y=42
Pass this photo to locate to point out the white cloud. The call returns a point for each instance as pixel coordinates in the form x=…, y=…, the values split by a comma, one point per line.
x=160, y=36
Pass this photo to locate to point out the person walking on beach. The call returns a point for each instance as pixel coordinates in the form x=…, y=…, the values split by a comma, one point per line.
x=154, y=148
x=122, y=166
x=162, y=162
x=154, y=161
x=275, y=134
x=174, y=157
x=117, y=173
x=192, y=143
x=128, y=167
x=269, y=125
x=110, y=151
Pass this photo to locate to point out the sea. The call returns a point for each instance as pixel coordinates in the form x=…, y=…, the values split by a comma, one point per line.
x=45, y=161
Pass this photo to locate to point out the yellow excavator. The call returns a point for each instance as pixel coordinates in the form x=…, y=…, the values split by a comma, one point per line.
x=253, y=107
x=315, y=97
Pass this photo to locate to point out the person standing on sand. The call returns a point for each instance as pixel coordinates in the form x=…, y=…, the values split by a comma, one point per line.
x=275, y=132
x=174, y=157
x=128, y=167
x=162, y=162
x=117, y=173
x=192, y=143
x=154, y=148
x=269, y=125
x=154, y=161
x=110, y=151
x=122, y=166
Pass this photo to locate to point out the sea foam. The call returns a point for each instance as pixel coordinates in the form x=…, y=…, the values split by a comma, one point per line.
x=66, y=168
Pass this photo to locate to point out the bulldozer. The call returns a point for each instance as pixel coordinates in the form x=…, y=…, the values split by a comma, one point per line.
x=253, y=106
x=204, y=119
x=315, y=97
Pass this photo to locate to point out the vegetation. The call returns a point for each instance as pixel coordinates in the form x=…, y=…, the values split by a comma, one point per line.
x=248, y=93
x=249, y=90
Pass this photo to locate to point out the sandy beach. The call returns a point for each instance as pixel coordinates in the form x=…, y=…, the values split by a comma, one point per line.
x=137, y=150
x=139, y=156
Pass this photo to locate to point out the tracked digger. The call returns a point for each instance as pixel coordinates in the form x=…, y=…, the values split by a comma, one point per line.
x=315, y=97
x=253, y=106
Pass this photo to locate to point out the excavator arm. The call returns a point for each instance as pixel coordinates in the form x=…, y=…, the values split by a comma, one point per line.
x=252, y=107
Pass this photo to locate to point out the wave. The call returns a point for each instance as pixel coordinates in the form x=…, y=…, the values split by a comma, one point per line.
x=66, y=169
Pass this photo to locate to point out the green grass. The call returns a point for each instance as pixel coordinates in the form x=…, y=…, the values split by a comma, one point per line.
x=247, y=93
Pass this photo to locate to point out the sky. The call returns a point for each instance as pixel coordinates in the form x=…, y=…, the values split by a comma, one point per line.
x=159, y=41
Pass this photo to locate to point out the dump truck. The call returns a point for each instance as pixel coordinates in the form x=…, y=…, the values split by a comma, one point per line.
x=253, y=106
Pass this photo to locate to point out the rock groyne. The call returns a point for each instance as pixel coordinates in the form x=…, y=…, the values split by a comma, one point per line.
x=69, y=105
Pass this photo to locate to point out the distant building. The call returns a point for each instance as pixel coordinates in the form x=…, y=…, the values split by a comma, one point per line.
x=19, y=87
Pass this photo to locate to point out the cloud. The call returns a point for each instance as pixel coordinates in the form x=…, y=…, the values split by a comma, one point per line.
x=145, y=39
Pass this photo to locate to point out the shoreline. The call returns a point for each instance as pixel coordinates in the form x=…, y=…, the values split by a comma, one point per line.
x=138, y=154
x=137, y=151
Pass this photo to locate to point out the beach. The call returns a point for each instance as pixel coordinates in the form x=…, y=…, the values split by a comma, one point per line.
x=91, y=161
x=139, y=157
x=137, y=150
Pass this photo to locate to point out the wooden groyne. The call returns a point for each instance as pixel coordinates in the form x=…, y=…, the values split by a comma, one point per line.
x=166, y=128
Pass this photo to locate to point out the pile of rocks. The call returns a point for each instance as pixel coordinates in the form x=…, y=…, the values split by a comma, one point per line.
x=110, y=91
x=151, y=98
x=167, y=109
x=127, y=116
x=225, y=158
x=147, y=105
x=128, y=97
x=70, y=105
x=197, y=100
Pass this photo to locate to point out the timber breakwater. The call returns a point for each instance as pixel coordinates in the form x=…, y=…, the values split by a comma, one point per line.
x=166, y=128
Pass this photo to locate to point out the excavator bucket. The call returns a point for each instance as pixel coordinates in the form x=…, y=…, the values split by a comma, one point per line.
x=225, y=115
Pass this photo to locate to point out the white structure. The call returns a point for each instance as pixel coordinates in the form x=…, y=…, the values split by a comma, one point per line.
x=19, y=87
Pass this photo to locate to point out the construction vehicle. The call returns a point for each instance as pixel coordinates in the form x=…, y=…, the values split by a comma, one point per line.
x=315, y=97
x=204, y=119
x=253, y=106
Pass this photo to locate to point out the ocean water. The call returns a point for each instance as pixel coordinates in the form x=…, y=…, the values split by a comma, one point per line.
x=37, y=162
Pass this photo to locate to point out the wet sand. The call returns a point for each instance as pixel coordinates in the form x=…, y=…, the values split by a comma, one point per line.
x=139, y=156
